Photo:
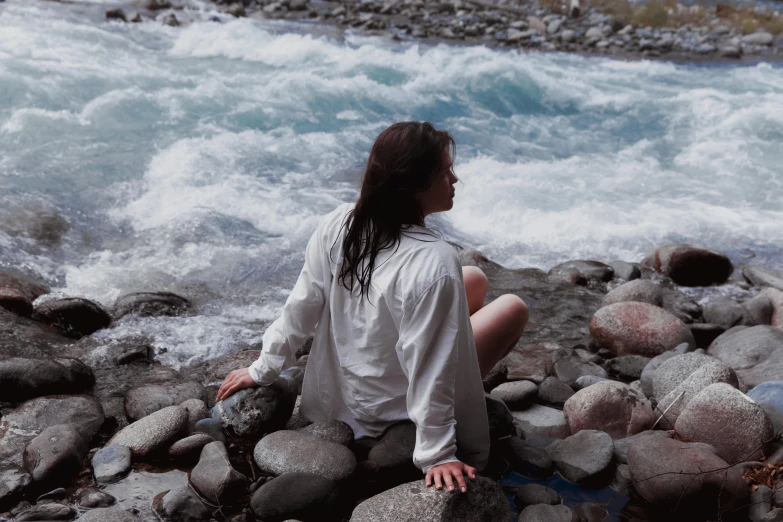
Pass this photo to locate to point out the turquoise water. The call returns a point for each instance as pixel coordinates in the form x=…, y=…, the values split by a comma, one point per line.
x=199, y=159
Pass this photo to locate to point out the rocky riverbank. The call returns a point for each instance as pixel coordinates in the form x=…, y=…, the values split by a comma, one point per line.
x=608, y=27
x=624, y=378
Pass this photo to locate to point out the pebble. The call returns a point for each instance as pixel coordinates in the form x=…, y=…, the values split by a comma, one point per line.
x=111, y=463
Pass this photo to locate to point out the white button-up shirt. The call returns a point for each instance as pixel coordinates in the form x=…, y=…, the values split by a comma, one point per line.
x=406, y=353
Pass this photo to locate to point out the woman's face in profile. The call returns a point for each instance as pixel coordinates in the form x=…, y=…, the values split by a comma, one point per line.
x=440, y=196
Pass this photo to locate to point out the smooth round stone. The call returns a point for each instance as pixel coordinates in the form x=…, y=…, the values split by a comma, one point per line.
x=214, y=477
x=648, y=374
x=151, y=304
x=22, y=379
x=291, y=451
x=547, y=513
x=149, y=398
x=111, y=463
x=689, y=265
x=611, y=407
x=50, y=511
x=554, y=391
x=153, y=432
x=75, y=316
x=516, y=394
x=542, y=420
x=197, y=410
x=673, y=371
x=583, y=458
x=532, y=494
x=755, y=353
x=190, y=447
x=627, y=367
x=639, y=290
x=94, y=498
x=295, y=496
x=54, y=457
x=334, y=431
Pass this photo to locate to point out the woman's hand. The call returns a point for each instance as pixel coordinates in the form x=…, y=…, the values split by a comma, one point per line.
x=445, y=472
x=236, y=380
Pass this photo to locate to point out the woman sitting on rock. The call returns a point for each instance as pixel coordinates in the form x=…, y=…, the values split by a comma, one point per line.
x=401, y=330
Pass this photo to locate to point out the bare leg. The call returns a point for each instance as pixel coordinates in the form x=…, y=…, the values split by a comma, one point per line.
x=476, y=285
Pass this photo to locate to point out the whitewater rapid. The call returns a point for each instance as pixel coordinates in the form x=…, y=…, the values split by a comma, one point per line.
x=199, y=159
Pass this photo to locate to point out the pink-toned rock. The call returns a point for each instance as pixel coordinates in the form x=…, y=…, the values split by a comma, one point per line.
x=688, y=265
x=633, y=328
x=17, y=295
x=609, y=406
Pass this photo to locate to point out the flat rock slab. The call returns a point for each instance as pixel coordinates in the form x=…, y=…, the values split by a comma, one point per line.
x=570, y=369
x=154, y=432
x=583, y=458
x=20, y=426
x=483, y=501
x=292, y=451
x=554, y=391
x=542, y=421
x=610, y=406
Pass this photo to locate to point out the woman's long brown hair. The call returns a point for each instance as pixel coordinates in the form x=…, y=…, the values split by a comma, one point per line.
x=403, y=161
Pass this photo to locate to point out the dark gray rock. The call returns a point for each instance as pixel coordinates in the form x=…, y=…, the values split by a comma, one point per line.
x=20, y=426
x=17, y=294
x=554, y=391
x=214, y=477
x=755, y=354
x=610, y=406
x=546, y=513
x=13, y=482
x=23, y=337
x=111, y=463
x=288, y=451
x=302, y=496
x=112, y=514
x=501, y=422
x=50, y=511
x=54, y=457
x=726, y=312
x=627, y=367
x=705, y=333
x=725, y=418
x=190, y=447
x=569, y=369
x=496, y=376
x=632, y=328
x=532, y=362
x=484, y=500
x=760, y=308
x=581, y=272
x=210, y=427
x=690, y=266
x=181, y=504
x=74, y=316
x=769, y=395
x=153, y=433
x=625, y=270
x=640, y=290
x=516, y=394
x=675, y=370
x=94, y=498
x=393, y=454
x=149, y=398
x=760, y=503
x=526, y=459
x=543, y=421
x=686, y=476
x=759, y=276
x=22, y=379
x=52, y=496
x=776, y=515
x=622, y=482
x=334, y=431
x=252, y=412
x=532, y=494
x=584, y=458
x=149, y=304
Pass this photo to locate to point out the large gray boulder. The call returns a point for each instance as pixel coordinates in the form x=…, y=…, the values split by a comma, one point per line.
x=674, y=402
x=542, y=421
x=252, y=412
x=22, y=379
x=728, y=420
x=300, y=496
x=290, y=451
x=610, y=406
x=632, y=328
x=755, y=353
x=20, y=426
x=640, y=290
x=688, y=265
x=584, y=458
x=215, y=478
x=153, y=433
x=672, y=372
x=688, y=477
x=483, y=501
x=149, y=398
x=54, y=457
x=769, y=395
x=74, y=316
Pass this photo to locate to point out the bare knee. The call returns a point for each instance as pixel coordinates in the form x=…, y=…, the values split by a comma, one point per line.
x=475, y=278
x=516, y=312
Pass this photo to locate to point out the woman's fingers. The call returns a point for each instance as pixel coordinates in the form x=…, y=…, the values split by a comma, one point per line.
x=438, y=482
x=460, y=480
x=428, y=479
x=449, y=482
x=470, y=472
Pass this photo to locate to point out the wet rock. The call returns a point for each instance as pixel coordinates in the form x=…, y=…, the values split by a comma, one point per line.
x=581, y=272
x=543, y=421
x=527, y=460
x=769, y=395
x=17, y=294
x=584, y=458
x=622, y=269
x=116, y=14
x=675, y=370
x=153, y=433
x=149, y=398
x=639, y=290
x=532, y=494
x=569, y=369
x=674, y=402
x=759, y=276
x=334, y=431
x=13, y=482
x=252, y=412
x=74, y=316
x=501, y=422
x=111, y=463
x=532, y=362
x=627, y=367
x=196, y=410
x=214, y=477
x=23, y=337
x=50, y=511
x=725, y=418
x=484, y=500
x=151, y=304
x=190, y=447
x=112, y=514
x=181, y=504
x=154, y=5
x=23, y=379
x=302, y=496
x=94, y=498
x=54, y=457
x=288, y=451
x=690, y=266
x=632, y=328
x=170, y=20
x=758, y=38
x=688, y=476
x=20, y=426
x=516, y=394
x=546, y=513
x=609, y=406
x=554, y=391
x=110, y=354
x=755, y=353
x=212, y=428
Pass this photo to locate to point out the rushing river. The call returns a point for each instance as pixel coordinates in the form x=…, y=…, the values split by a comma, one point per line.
x=199, y=159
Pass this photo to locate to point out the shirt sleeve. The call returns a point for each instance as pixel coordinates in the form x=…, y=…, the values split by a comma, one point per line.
x=301, y=313
x=430, y=347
